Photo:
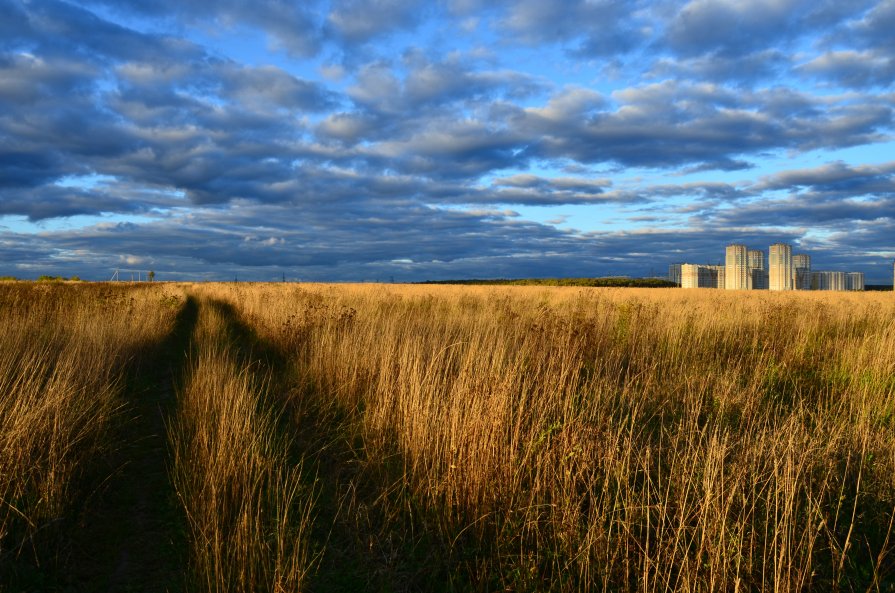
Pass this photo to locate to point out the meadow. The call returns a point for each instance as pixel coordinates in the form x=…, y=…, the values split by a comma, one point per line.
x=289, y=437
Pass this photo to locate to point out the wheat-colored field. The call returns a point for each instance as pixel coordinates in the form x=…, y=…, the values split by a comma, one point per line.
x=349, y=437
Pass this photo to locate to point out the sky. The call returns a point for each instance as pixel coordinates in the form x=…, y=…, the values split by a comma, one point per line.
x=388, y=140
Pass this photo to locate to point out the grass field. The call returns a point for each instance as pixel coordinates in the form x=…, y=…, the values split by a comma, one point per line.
x=285, y=437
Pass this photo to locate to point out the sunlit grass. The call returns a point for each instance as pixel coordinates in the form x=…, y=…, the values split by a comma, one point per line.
x=621, y=439
x=328, y=437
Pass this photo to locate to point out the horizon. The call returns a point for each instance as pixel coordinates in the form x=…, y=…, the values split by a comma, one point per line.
x=342, y=141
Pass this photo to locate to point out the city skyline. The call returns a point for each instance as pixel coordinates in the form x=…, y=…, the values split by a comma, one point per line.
x=745, y=269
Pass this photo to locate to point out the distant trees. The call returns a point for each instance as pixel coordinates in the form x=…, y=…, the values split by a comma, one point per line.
x=151, y=275
x=620, y=281
x=48, y=278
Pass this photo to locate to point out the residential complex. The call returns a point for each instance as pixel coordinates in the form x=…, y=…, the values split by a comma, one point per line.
x=745, y=269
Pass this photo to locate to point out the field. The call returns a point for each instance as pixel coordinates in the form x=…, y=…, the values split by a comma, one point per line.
x=289, y=437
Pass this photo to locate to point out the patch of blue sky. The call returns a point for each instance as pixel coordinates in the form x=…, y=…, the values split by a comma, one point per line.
x=23, y=226
x=866, y=154
x=85, y=181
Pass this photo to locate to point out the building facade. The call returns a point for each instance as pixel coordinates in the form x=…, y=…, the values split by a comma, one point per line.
x=759, y=279
x=699, y=276
x=780, y=268
x=674, y=273
x=801, y=271
x=756, y=259
x=828, y=281
x=854, y=281
x=737, y=275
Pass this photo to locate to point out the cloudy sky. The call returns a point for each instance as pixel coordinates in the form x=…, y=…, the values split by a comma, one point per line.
x=389, y=139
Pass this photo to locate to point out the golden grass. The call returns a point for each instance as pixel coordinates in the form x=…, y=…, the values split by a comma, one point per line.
x=63, y=356
x=246, y=507
x=619, y=439
x=500, y=438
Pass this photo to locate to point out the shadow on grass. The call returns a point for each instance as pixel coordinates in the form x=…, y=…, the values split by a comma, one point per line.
x=127, y=533
x=358, y=545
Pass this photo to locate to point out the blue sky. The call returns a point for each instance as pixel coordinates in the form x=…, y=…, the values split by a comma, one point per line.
x=385, y=139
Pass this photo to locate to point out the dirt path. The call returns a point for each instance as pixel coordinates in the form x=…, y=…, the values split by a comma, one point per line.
x=131, y=534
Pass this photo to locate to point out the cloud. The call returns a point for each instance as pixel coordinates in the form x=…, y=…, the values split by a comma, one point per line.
x=851, y=68
x=359, y=21
x=289, y=26
x=428, y=85
x=671, y=124
x=741, y=27
x=741, y=69
x=874, y=28
x=590, y=28
x=837, y=177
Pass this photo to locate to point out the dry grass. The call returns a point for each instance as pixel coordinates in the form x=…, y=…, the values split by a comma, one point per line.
x=63, y=356
x=499, y=438
x=613, y=439
x=246, y=506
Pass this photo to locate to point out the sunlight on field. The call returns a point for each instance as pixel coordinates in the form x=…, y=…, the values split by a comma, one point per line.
x=513, y=438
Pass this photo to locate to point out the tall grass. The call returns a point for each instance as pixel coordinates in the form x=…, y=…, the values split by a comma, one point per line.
x=614, y=439
x=64, y=353
x=499, y=438
x=247, y=508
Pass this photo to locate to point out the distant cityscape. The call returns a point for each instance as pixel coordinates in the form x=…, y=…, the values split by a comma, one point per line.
x=745, y=269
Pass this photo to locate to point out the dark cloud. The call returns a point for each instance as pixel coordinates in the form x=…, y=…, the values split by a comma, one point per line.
x=28, y=169
x=807, y=211
x=837, y=177
x=60, y=201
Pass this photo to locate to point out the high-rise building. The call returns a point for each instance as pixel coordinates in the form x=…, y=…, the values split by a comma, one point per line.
x=801, y=271
x=756, y=259
x=854, y=281
x=674, y=273
x=780, y=267
x=758, y=274
x=828, y=281
x=698, y=276
x=736, y=273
